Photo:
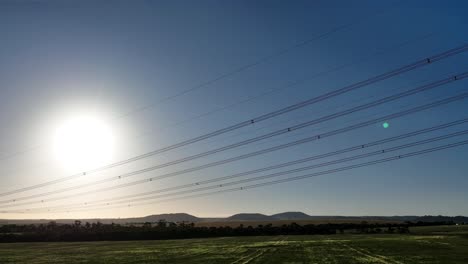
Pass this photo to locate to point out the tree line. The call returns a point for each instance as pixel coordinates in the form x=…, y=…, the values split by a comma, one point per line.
x=169, y=230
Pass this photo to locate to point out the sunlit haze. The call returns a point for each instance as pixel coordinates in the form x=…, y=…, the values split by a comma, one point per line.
x=83, y=142
x=130, y=108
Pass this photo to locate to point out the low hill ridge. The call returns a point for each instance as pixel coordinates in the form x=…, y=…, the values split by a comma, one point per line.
x=176, y=217
x=285, y=216
x=250, y=217
x=291, y=216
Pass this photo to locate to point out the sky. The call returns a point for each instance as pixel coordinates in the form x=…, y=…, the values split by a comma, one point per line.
x=160, y=72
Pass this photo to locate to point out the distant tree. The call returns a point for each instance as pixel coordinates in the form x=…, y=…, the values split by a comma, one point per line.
x=162, y=223
x=169, y=230
x=51, y=224
x=403, y=230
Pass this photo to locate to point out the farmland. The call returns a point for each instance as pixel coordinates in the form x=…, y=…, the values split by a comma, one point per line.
x=445, y=244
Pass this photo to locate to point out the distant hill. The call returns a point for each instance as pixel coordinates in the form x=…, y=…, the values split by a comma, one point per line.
x=291, y=216
x=244, y=217
x=250, y=217
x=179, y=217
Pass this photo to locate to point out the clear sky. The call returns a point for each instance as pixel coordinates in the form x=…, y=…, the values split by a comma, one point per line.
x=119, y=61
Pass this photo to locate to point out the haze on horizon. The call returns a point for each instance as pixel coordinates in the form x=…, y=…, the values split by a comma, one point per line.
x=85, y=84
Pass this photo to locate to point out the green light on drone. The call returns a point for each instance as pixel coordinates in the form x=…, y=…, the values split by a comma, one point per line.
x=386, y=125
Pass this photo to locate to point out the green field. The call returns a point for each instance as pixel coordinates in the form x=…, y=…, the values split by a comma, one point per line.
x=424, y=245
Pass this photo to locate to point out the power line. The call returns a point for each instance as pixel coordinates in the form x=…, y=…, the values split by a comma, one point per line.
x=411, y=154
x=261, y=60
x=255, y=63
x=316, y=121
x=297, y=82
x=302, y=125
x=321, y=111
x=281, y=165
x=251, y=98
x=258, y=185
x=220, y=77
x=255, y=153
x=361, y=156
x=281, y=111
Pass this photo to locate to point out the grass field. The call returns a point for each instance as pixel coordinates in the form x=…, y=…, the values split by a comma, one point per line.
x=425, y=245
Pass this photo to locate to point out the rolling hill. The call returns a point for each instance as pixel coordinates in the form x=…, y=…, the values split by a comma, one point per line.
x=292, y=216
x=250, y=217
x=243, y=217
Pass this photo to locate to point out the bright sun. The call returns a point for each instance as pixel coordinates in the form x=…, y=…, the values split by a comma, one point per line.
x=83, y=143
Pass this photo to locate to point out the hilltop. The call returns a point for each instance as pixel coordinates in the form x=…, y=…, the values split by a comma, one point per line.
x=246, y=217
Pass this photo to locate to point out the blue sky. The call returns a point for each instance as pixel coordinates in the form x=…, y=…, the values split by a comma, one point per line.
x=112, y=59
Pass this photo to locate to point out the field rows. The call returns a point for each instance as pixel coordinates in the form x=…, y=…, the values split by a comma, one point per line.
x=443, y=248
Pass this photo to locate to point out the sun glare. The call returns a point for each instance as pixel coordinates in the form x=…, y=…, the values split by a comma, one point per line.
x=83, y=143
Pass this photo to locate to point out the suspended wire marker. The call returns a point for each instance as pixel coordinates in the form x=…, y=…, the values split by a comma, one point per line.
x=346, y=89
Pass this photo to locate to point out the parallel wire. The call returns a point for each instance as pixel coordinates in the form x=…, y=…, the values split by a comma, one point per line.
x=258, y=185
x=411, y=154
x=293, y=107
x=302, y=104
x=259, y=61
x=297, y=82
x=361, y=156
x=225, y=75
x=255, y=97
x=255, y=153
x=277, y=166
x=321, y=111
